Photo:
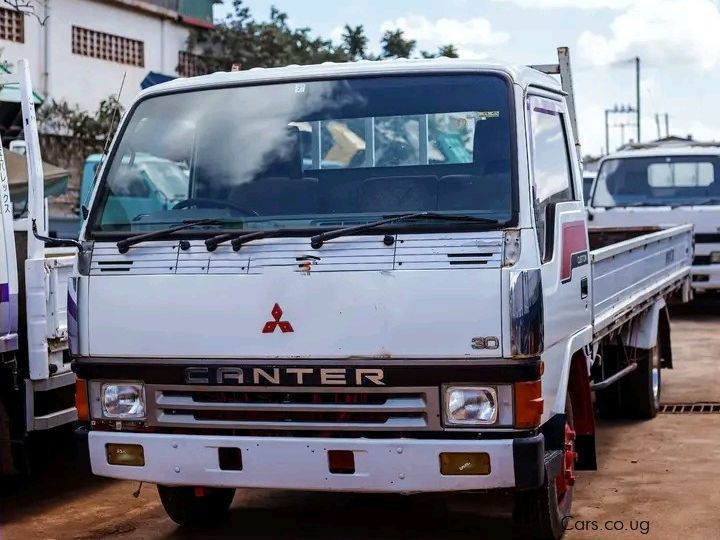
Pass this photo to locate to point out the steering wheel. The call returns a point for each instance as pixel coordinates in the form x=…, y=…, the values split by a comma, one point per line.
x=199, y=202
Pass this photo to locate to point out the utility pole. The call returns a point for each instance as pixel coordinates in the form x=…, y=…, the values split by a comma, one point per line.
x=637, y=95
x=623, y=110
x=667, y=125
x=607, y=132
x=657, y=124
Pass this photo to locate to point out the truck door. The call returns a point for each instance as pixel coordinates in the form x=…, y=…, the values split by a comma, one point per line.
x=8, y=268
x=562, y=233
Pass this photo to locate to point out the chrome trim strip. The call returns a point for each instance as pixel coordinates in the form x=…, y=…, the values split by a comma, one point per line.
x=414, y=408
x=347, y=361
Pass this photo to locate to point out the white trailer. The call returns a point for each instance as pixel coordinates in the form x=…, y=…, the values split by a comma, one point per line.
x=36, y=382
x=382, y=280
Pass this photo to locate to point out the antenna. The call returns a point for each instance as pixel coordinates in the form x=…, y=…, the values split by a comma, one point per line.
x=108, y=138
x=112, y=120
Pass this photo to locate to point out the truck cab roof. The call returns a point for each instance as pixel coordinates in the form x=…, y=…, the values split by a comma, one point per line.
x=522, y=75
x=669, y=151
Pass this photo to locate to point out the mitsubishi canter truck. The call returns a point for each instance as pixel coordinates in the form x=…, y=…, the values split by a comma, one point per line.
x=380, y=280
x=37, y=386
x=656, y=185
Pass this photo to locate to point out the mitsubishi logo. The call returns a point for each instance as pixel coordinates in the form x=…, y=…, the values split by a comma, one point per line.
x=277, y=314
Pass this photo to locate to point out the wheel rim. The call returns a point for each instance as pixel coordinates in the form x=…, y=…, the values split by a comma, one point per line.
x=566, y=479
x=656, y=378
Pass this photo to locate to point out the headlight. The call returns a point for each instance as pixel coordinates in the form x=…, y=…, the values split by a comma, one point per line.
x=470, y=405
x=715, y=257
x=123, y=401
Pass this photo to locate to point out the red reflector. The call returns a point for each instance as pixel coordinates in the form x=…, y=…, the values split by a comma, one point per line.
x=341, y=461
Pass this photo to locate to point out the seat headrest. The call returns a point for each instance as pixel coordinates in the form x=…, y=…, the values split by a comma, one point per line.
x=491, y=141
x=286, y=160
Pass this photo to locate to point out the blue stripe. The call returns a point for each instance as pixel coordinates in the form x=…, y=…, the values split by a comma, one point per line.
x=71, y=307
x=4, y=292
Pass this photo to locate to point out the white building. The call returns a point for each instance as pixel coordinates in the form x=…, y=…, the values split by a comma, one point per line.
x=83, y=48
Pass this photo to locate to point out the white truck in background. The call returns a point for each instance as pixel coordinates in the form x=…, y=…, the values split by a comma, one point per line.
x=653, y=186
x=37, y=386
x=423, y=310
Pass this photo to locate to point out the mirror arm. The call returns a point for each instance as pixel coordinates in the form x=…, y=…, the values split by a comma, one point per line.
x=57, y=242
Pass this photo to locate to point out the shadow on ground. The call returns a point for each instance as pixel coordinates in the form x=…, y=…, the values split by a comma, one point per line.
x=55, y=471
x=306, y=516
x=703, y=307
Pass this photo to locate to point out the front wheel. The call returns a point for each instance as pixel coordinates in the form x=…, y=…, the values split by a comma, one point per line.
x=191, y=506
x=540, y=514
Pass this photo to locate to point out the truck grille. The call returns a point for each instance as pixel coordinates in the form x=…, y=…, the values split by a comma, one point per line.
x=356, y=409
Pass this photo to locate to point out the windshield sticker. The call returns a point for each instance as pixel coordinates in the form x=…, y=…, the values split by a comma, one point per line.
x=547, y=106
x=484, y=115
x=300, y=88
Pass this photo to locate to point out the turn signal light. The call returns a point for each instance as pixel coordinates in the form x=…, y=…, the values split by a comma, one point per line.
x=529, y=404
x=131, y=455
x=81, y=400
x=464, y=463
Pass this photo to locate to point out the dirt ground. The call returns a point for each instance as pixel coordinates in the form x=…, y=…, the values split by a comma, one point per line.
x=657, y=480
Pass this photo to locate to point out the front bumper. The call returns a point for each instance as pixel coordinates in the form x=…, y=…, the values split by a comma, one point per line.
x=301, y=463
x=706, y=277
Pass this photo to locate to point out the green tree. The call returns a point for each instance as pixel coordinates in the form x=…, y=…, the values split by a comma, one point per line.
x=90, y=129
x=355, y=41
x=394, y=44
x=244, y=40
x=240, y=39
x=450, y=51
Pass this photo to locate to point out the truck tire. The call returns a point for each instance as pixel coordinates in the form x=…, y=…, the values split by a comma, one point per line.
x=637, y=395
x=187, y=508
x=640, y=391
x=540, y=514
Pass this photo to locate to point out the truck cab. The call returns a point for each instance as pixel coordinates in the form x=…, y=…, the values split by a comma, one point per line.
x=36, y=382
x=380, y=279
x=655, y=186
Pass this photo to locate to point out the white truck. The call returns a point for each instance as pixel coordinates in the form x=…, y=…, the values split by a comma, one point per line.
x=655, y=185
x=414, y=305
x=37, y=385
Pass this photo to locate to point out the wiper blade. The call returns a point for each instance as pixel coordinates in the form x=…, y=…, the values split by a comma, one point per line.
x=124, y=245
x=319, y=239
x=238, y=239
x=631, y=204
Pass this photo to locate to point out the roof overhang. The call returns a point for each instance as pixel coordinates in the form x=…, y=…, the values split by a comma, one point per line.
x=161, y=12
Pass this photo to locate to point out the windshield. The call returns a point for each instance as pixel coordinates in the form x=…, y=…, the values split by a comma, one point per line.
x=310, y=155
x=658, y=181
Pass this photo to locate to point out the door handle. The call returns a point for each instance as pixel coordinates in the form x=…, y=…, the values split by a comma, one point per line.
x=584, y=288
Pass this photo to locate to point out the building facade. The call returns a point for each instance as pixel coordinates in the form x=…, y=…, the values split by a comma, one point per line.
x=82, y=50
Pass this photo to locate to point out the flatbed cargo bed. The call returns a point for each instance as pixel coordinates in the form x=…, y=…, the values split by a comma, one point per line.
x=632, y=273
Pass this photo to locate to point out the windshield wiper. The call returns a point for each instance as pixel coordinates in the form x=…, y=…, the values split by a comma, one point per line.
x=319, y=239
x=238, y=239
x=124, y=245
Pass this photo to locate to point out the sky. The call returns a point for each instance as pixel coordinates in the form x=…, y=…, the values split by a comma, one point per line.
x=678, y=42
